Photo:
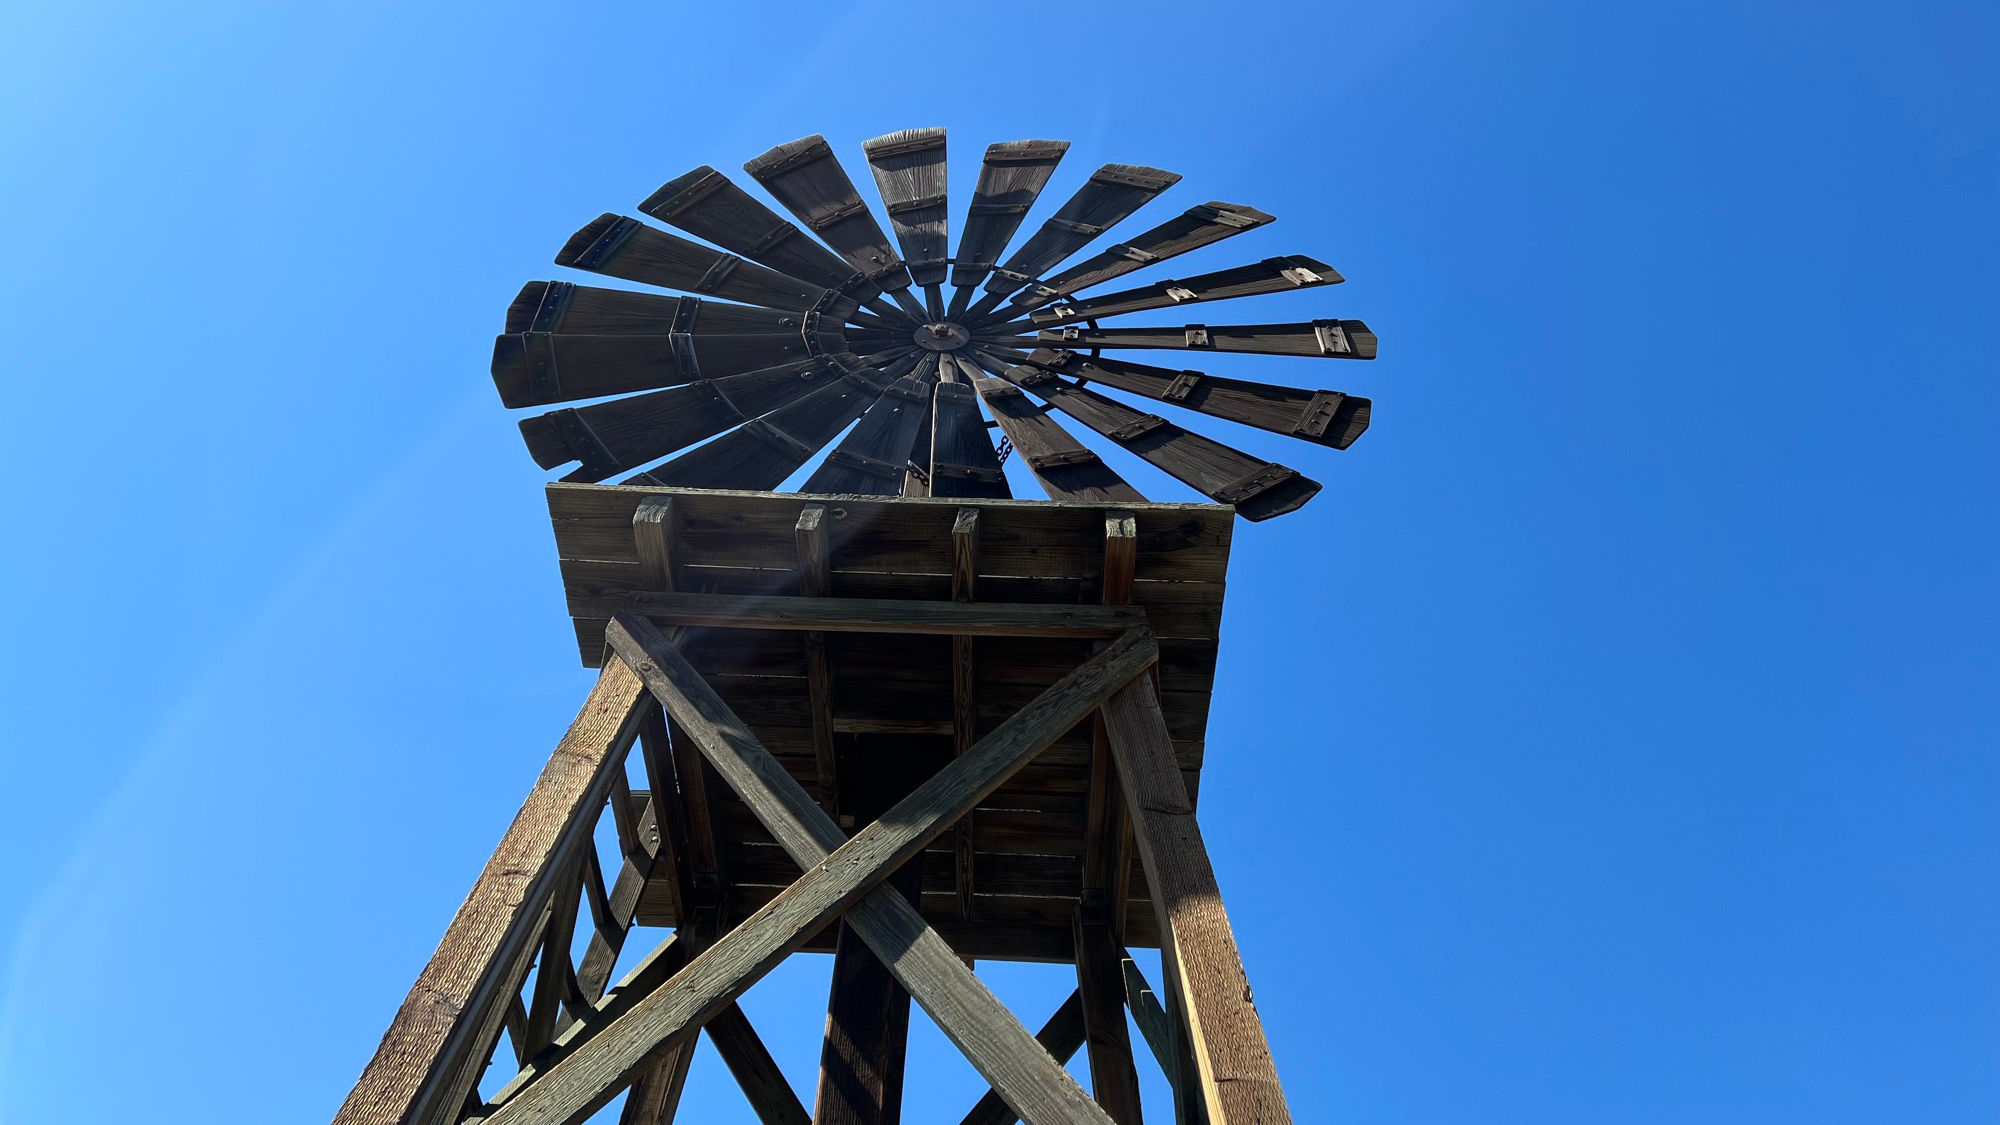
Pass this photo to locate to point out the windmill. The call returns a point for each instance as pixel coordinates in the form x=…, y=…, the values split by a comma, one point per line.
x=898, y=715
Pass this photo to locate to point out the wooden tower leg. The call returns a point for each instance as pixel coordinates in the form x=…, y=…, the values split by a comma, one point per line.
x=1239, y=1083
x=867, y=1011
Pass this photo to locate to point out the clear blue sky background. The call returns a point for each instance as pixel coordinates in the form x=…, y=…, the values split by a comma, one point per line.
x=1628, y=699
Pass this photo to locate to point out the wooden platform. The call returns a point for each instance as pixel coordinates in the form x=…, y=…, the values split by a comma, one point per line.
x=894, y=694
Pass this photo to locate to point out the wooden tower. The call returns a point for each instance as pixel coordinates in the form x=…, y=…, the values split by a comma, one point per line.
x=897, y=716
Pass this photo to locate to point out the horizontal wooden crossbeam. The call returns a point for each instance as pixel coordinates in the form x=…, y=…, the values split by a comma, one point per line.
x=884, y=615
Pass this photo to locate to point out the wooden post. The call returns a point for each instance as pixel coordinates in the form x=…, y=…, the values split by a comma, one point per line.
x=1114, y=1082
x=1238, y=1080
x=440, y=1040
x=1061, y=1036
x=816, y=581
x=841, y=875
x=867, y=1011
x=964, y=707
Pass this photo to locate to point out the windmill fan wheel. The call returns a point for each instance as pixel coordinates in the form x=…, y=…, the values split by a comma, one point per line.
x=794, y=334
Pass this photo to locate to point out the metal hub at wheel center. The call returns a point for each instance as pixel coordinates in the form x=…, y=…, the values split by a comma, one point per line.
x=942, y=336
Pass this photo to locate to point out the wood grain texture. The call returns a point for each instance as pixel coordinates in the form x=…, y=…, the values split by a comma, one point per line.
x=771, y=1097
x=1114, y=1081
x=1192, y=229
x=1272, y=275
x=816, y=581
x=961, y=1006
x=1321, y=416
x=881, y=615
x=1238, y=1078
x=1061, y=1036
x=431, y=1055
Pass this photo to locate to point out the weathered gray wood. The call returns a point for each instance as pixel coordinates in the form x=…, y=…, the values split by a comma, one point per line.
x=426, y=1065
x=710, y=206
x=964, y=701
x=816, y=581
x=1010, y=178
x=1260, y=489
x=1192, y=229
x=554, y=974
x=1112, y=193
x=764, y=1085
x=1061, y=1037
x=1239, y=1081
x=961, y=1006
x=880, y=615
x=1113, y=1080
x=618, y=246
x=1151, y=1016
x=870, y=460
x=1066, y=468
x=1272, y=275
x=1325, y=339
x=909, y=169
x=807, y=179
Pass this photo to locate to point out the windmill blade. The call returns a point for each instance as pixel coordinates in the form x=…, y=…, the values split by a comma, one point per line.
x=1192, y=229
x=1272, y=275
x=1330, y=339
x=709, y=205
x=1011, y=178
x=909, y=169
x=762, y=452
x=961, y=458
x=1259, y=489
x=1112, y=193
x=618, y=246
x=561, y=306
x=623, y=434
x=1066, y=469
x=871, y=459
x=808, y=180
x=1322, y=417
x=536, y=368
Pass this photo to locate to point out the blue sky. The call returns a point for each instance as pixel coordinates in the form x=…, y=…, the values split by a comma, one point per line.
x=1628, y=698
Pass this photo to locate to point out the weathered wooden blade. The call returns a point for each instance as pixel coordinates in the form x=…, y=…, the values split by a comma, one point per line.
x=962, y=459
x=1066, y=469
x=1259, y=489
x=623, y=434
x=909, y=169
x=619, y=246
x=1330, y=339
x=560, y=306
x=808, y=180
x=1322, y=417
x=1112, y=192
x=707, y=204
x=761, y=453
x=871, y=459
x=1011, y=177
x=1192, y=229
x=534, y=368
x=1272, y=275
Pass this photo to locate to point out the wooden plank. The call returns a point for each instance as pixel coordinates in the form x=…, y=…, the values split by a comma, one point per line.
x=839, y=873
x=1111, y=194
x=961, y=456
x=1239, y=1081
x=1192, y=229
x=1151, y=1018
x=909, y=168
x=878, y=615
x=1320, y=416
x=1066, y=468
x=870, y=460
x=1061, y=1036
x=761, y=453
x=965, y=710
x=536, y=368
x=816, y=581
x=656, y=1097
x=617, y=246
x=763, y=1084
x=868, y=1010
x=1323, y=339
x=432, y=1053
x=711, y=206
x=1104, y=861
x=611, y=437
x=1011, y=177
x=554, y=975
x=1260, y=489
x=1272, y=275
x=561, y=306
x=1114, y=1082
x=806, y=179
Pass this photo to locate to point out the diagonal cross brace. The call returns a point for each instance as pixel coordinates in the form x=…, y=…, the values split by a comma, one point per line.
x=841, y=875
